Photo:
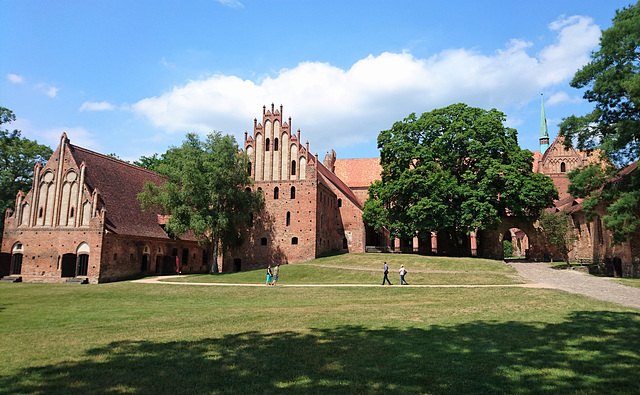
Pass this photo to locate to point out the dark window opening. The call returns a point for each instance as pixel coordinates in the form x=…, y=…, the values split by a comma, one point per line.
x=275, y=144
x=288, y=218
x=185, y=256
x=294, y=240
x=293, y=192
x=293, y=167
x=249, y=168
x=563, y=167
x=276, y=192
x=266, y=145
x=339, y=202
x=40, y=212
x=71, y=212
x=263, y=241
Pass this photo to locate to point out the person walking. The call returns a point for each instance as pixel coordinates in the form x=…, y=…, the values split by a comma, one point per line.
x=403, y=271
x=269, y=275
x=276, y=271
x=386, y=272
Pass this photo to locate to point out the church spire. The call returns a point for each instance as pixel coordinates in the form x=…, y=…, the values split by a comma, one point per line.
x=544, y=131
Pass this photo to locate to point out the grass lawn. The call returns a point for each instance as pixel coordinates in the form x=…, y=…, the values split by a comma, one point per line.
x=631, y=282
x=367, y=269
x=164, y=339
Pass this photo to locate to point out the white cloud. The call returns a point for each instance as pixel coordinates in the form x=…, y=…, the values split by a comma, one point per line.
x=97, y=106
x=77, y=136
x=231, y=3
x=562, y=97
x=348, y=106
x=48, y=90
x=15, y=79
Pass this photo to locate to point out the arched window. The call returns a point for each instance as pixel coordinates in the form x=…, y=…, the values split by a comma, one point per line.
x=275, y=144
x=563, y=167
x=294, y=240
x=276, y=192
x=249, y=168
x=266, y=145
x=288, y=218
x=247, y=189
x=293, y=167
x=293, y=192
x=339, y=202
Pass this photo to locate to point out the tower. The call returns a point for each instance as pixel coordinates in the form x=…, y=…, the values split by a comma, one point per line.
x=544, y=131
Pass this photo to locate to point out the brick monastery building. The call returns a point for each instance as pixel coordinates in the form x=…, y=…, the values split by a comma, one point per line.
x=81, y=221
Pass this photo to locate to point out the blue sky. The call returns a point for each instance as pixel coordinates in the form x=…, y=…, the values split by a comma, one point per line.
x=132, y=77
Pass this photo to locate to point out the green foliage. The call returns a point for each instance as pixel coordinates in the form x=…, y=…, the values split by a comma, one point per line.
x=207, y=191
x=18, y=157
x=557, y=230
x=612, y=79
x=150, y=162
x=455, y=169
x=507, y=248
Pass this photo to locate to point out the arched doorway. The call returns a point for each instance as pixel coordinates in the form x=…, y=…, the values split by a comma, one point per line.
x=515, y=244
x=16, y=259
x=144, y=266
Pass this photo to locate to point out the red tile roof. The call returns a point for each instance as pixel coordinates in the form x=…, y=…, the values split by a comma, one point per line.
x=119, y=184
x=358, y=172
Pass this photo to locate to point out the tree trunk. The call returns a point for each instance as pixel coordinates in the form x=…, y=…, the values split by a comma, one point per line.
x=214, y=258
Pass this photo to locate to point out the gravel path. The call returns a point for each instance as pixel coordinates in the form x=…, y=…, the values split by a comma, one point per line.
x=601, y=288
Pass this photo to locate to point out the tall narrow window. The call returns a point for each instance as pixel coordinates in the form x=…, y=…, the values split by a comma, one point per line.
x=249, y=168
x=276, y=192
x=263, y=241
x=339, y=202
x=266, y=145
x=563, y=167
x=288, y=218
x=293, y=192
x=293, y=167
x=275, y=144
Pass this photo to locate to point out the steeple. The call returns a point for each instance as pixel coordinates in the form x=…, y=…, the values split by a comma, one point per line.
x=544, y=131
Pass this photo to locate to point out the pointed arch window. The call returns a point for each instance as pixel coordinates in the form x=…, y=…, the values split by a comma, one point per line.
x=266, y=144
x=293, y=192
x=293, y=167
x=275, y=144
x=249, y=168
x=288, y=218
x=276, y=192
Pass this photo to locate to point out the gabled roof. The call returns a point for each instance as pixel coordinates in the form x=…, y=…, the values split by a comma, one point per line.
x=119, y=183
x=358, y=173
x=335, y=180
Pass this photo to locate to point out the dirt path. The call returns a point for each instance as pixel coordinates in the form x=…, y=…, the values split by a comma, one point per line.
x=601, y=288
x=539, y=275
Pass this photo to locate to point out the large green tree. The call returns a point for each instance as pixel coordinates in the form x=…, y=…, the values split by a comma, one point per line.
x=612, y=82
x=18, y=156
x=207, y=192
x=453, y=170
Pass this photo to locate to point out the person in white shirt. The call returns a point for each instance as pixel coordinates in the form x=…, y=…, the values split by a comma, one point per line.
x=403, y=271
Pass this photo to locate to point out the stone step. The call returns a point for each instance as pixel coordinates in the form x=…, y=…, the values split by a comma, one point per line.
x=76, y=280
x=11, y=279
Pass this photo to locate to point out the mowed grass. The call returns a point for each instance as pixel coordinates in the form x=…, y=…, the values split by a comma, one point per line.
x=367, y=269
x=165, y=339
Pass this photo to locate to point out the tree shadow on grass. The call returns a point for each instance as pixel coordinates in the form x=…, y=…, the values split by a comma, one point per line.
x=590, y=352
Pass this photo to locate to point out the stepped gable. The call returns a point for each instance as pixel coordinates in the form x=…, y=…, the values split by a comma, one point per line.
x=358, y=172
x=119, y=184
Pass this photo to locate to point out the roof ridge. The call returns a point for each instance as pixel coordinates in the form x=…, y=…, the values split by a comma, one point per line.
x=118, y=161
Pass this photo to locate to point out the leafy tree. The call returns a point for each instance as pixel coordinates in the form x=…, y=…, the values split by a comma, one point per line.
x=18, y=156
x=558, y=232
x=150, y=162
x=206, y=193
x=612, y=79
x=507, y=248
x=454, y=170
